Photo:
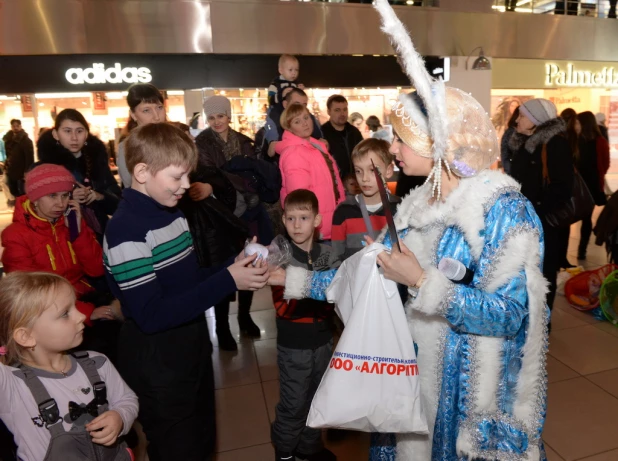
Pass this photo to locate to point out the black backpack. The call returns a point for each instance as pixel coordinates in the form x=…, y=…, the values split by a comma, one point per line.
x=262, y=177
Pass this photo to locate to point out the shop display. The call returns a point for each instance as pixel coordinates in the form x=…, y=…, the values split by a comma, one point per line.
x=107, y=112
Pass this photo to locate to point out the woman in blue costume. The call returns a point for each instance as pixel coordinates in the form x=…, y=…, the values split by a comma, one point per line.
x=481, y=345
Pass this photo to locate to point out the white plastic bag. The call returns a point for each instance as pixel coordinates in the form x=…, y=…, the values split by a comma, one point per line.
x=372, y=383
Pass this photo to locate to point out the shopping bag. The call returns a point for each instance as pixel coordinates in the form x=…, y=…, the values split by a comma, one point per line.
x=372, y=382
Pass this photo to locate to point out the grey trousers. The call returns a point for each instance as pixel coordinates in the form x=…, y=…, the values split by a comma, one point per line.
x=300, y=373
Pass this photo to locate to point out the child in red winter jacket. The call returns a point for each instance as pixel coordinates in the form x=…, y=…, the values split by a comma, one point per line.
x=39, y=240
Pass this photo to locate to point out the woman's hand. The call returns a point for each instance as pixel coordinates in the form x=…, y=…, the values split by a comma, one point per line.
x=277, y=277
x=102, y=313
x=400, y=267
x=74, y=206
x=116, y=310
x=105, y=428
x=93, y=196
x=81, y=193
x=199, y=191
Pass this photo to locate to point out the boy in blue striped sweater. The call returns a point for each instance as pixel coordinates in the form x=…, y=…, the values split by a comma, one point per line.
x=164, y=346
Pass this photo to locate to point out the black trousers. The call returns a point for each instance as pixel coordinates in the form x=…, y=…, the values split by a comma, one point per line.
x=612, y=9
x=556, y=247
x=171, y=373
x=102, y=336
x=15, y=186
x=222, y=310
x=569, y=7
x=584, y=235
x=300, y=373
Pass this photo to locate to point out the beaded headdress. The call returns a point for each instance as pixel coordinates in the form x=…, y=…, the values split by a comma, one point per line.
x=436, y=121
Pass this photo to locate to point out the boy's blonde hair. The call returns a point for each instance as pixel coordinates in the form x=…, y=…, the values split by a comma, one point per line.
x=289, y=114
x=24, y=296
x=159, y=145
x=285, y=58
x=377, y=146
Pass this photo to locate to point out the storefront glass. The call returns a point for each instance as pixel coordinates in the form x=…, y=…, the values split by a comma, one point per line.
x=249, y=106
x=106, y=112
x=582, y=86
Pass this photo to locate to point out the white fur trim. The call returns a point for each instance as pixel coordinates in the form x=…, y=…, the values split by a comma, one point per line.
x=465, y=443
x=519, y=251
x=296, y=285
x=533, y=376
x=431, y=296
x=489, y=357
x=425, y=331
x=464, y=207
x=522, y=251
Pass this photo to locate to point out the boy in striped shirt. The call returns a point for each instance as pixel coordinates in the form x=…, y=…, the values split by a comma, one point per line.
x=350, y=222
x=164, y=346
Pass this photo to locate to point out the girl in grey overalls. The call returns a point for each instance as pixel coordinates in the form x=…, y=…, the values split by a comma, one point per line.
x=78, y=409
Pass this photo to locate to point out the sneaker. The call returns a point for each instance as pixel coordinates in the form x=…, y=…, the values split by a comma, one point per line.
x=324, y=455
x=226, y=340
x=284, y=456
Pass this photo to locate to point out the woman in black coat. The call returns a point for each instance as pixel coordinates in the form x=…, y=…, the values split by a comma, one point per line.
x=71, y=145
x=592, y=162
x=226, y=150
x=539, y=127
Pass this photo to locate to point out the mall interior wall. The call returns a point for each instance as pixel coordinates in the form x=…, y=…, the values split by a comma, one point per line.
x=55, y=27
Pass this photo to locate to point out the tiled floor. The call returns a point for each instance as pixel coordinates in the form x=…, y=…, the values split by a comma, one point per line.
x=582, y=416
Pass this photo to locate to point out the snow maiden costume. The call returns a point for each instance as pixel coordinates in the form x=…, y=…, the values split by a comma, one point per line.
x=482, y=345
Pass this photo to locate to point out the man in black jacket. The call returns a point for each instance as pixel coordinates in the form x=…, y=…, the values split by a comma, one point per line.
x=342, y=137
x=19, y=157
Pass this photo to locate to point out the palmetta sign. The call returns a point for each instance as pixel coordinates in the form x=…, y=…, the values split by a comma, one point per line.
x=606, y=77
x=99, y=74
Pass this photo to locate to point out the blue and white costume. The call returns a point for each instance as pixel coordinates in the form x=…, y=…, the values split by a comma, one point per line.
x=481, y=347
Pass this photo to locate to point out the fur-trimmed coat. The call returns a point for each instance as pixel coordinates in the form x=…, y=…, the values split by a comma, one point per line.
x=93, y=165
x=482, y=346
x=527, y=166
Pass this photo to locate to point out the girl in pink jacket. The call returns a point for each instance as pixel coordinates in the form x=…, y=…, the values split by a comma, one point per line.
x=306, y=164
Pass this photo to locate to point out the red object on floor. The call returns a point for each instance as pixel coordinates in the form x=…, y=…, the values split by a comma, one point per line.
x=582, y=290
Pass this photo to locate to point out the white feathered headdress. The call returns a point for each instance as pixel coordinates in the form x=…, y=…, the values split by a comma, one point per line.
x=462, y=137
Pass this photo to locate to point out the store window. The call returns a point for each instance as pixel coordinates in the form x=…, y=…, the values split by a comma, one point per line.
x=106, y=112
x=250, y=106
